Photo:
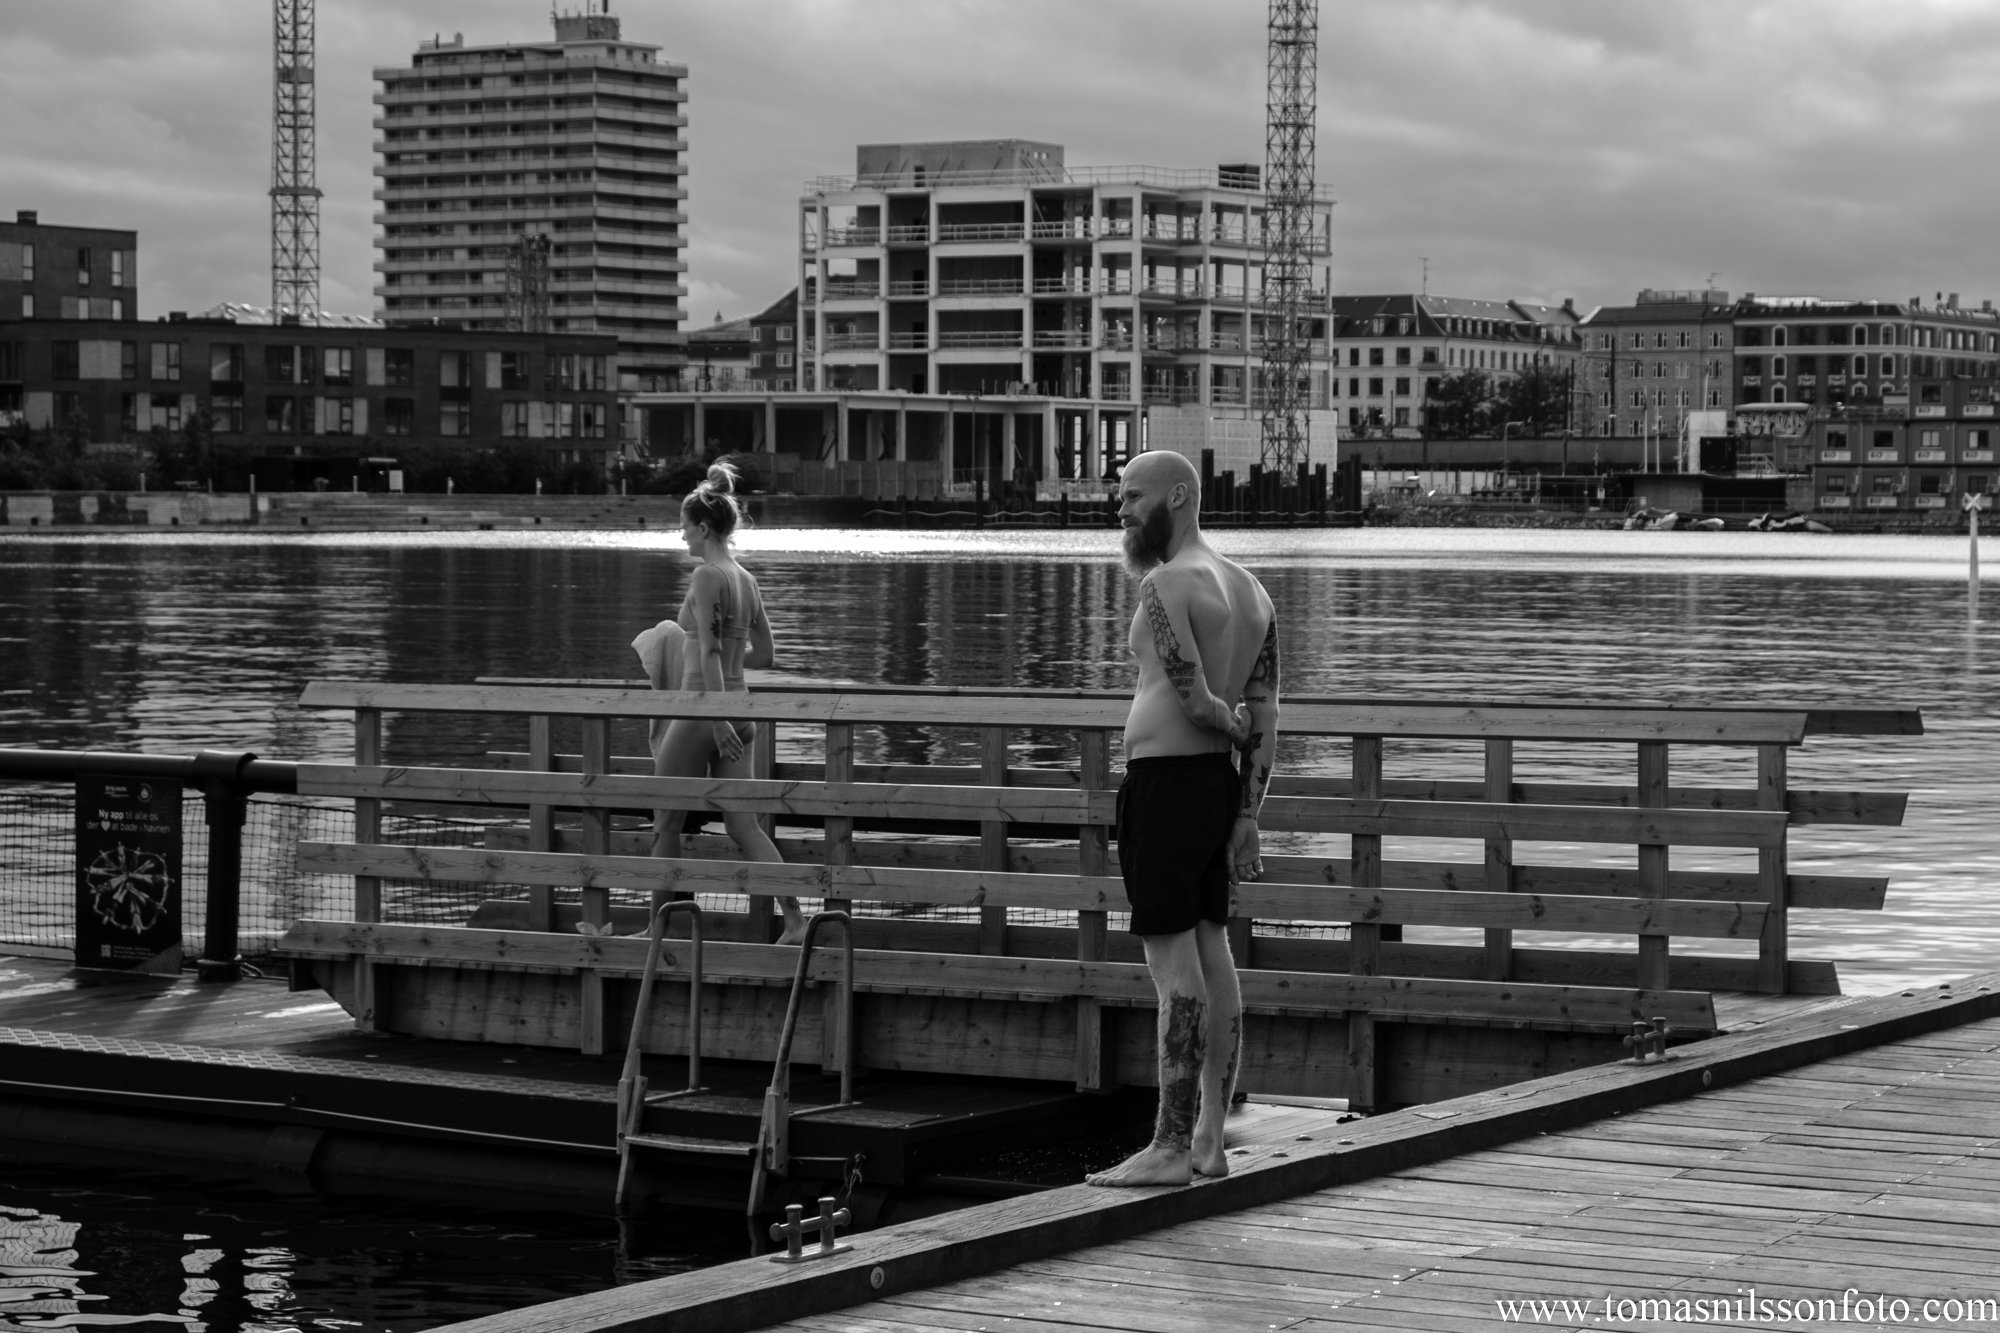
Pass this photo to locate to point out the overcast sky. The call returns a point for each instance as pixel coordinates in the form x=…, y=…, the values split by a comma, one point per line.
x=1537, y=149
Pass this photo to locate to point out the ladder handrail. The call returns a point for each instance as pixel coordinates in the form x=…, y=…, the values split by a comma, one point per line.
x=631, y=1082
x=771, y=1153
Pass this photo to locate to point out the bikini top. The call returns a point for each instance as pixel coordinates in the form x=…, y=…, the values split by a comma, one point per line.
x=734, y=625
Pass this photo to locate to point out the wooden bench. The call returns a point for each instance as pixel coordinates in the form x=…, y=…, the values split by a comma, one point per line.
x=1372, y=1017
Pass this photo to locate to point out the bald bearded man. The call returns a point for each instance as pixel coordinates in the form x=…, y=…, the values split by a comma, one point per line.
x=1206, y=640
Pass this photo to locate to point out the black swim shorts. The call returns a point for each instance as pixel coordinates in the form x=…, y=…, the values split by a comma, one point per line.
x=1175, y=814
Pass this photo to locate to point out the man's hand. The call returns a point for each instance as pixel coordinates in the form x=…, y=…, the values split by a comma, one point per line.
x=1234, y=723
x=1246, y=850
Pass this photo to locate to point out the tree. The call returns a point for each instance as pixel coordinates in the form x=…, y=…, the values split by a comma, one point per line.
x=1458, y=405
x=1535, y=399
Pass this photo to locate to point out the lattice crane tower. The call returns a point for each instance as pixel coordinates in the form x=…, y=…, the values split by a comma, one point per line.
x=528, y=283
x=1291, y=105
x=294, y=164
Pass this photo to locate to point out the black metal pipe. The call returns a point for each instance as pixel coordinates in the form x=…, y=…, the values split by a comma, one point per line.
x=256, y=775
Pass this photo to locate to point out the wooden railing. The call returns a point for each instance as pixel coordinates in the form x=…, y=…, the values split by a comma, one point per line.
x=1000, y=836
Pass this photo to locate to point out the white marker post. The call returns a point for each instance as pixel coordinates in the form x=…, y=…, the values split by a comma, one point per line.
x=1974, y=501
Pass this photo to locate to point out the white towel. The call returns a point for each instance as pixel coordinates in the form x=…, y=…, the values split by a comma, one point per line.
x=659, y=650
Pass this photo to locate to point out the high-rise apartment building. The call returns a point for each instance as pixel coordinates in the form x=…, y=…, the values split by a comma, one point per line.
x=577, y=139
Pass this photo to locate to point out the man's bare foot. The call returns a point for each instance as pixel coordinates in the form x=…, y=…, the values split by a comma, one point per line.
x=1210, y=1162
x=1153, y=1165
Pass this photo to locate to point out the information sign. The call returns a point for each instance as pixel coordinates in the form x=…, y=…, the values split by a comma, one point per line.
x=128, y=874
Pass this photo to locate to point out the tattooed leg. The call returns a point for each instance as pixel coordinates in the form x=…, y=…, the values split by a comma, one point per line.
x=1225, y=1049
x=1185, y=1053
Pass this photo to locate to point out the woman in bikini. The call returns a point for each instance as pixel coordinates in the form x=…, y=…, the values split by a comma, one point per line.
x=723, y=617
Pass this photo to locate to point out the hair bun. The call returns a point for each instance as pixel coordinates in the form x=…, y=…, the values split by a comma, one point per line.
x=721, y=477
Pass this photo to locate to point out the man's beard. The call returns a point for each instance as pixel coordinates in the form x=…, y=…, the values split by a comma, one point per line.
x=1146, y=545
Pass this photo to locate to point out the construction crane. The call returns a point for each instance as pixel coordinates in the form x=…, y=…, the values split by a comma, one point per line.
x=528, y=283
x=1291, y=105
x=294, y=165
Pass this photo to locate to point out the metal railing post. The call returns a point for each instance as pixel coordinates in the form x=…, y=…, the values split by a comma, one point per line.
x=225, y=798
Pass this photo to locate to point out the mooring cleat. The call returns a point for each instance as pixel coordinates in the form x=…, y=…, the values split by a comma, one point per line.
x=795, y=1226
x=1648, y=1045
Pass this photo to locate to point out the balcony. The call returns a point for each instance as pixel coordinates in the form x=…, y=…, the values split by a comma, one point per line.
x=853, y=342
x=839, y=237
x=1009, y=339
x=1115, y=340
x=1070, y=340
x=1071, y=229
x=1064, y=287
x=914, y=287
x=980, y=287
x=920, y=234
x=1753, y=381
x=852, y=289
x=918, y=340
x=964, y=232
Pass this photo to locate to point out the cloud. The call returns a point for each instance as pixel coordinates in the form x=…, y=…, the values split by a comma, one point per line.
x=1529, y=148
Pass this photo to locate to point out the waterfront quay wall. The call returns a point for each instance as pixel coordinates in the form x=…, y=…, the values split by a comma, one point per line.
x=373, y=511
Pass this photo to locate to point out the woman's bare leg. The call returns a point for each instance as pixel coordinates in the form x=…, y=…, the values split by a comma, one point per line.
x=685, y=752
x=755, y=844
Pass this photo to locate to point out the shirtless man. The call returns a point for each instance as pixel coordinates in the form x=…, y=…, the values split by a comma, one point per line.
x=1206, y=638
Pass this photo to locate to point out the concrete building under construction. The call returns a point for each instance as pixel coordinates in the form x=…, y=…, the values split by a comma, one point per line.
x=983, y=306
x=577, y=139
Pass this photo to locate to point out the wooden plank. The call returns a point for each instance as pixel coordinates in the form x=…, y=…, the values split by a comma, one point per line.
x=1364, y=938
x=1093, y=1063
x=1773, y=868
x=1804, y=805
x=1401, y=998
x=1653, y=855
x=591, y=1013
x=368, y=980
x=1499, y=789
x=993, y=839
x=1546, y=823
x=542, y=817
x=1608, y=724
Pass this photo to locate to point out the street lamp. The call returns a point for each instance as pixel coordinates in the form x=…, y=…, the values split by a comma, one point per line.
x=1505, y=427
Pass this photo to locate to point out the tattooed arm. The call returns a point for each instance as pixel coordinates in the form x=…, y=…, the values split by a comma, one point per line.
x=1180, y=660
x=1260, y=697
x=706, y=590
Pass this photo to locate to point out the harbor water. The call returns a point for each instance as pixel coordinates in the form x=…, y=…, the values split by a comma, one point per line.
x=168, y=643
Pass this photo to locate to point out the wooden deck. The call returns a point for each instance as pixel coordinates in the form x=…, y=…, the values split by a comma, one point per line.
x=1843, y=1154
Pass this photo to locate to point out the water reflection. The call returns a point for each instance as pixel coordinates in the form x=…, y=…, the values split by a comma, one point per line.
x=145, y=1250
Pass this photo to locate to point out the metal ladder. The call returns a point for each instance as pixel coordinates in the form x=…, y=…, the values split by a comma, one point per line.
x=773, y=1149
x=632, y=1097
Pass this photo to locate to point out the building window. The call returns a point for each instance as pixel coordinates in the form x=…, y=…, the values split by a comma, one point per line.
x=281, y=363
x=225, y=363
x=1888, y=367
x=454, y=371
x=514, y=419
x=1777, y=367
x=225, y=412
x=784, y=360
x=566, y=420
x=1403, y=386
x=1883, y=483
x=1778, y=336
x=1980, y=438
x=1861, y=366
x=166, y=361
x=399, y=415
x=166, y=411
x=1374, y=356
x=340, y=366
x=83, y=266
x=117, y=268
x=1353, y=386
x=1836, y=439
x=514, y=374
x=1777, y=393
x=785, y=333
x=590, y=420
x=1402, y=356
x=454, y=418
x=399, y=366
x=281, y=415
x=28, y=261
x=63, y=361
x=128, y=361
x=27, y=305
x=1375, y=386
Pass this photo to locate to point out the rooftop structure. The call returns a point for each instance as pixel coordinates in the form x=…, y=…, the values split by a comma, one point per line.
x=577, y=139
